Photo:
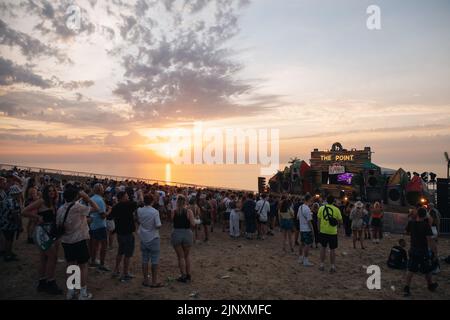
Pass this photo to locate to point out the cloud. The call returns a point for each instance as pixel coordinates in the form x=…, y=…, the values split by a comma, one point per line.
x=179, y=65
x=30, y=47
x=45, y=107
x=11, y=73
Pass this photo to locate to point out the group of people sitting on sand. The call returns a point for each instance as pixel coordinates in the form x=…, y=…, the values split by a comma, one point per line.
x=87, y=216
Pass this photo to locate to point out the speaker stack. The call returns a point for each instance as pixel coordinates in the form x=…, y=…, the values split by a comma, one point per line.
x=374, y=190
x=394, y=195
x=443, y=197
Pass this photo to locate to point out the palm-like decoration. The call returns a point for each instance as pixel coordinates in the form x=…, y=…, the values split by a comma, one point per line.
x=294, y=160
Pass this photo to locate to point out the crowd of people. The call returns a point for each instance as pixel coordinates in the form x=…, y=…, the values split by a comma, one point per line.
x=87, y=216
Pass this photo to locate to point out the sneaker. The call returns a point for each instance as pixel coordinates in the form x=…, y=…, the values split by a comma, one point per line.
x=322, y=268
x=126, y=278
x=87, y=296
x=300, y=260
x=406, y=292
x=42, y=286
x=437, y=270
x=182, y=278
x=52, y=288
x=71, y=295
x=103, y=268
x=306, y=263
x=432, y=287
x=333, y=270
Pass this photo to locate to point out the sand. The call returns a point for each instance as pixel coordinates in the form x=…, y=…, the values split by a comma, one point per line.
x=226, y=269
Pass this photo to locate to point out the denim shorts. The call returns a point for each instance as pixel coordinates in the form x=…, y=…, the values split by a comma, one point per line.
x=99, y=234
x=151, y=251
x=182, y=237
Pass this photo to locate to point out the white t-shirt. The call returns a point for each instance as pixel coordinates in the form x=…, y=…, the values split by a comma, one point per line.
x=262, y=209
x=76, y=228
x=149, y=223
x=226, y=202
x=162, y=194
x=304, y=215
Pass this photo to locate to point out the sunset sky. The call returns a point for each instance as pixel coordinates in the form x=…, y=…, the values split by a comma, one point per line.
x=311, y=69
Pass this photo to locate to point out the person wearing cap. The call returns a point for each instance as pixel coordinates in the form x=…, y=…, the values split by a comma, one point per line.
x=10, y=220
x=357, y=216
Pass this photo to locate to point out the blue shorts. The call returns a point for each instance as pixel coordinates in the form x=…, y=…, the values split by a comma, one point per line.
x=287, y=224
x=151, y=251
x=99, y=234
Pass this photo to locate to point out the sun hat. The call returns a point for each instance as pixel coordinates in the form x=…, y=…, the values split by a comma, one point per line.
x=359, y=205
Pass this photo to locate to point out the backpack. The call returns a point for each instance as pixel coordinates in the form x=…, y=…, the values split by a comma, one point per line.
x=397, y=258
x=328, y=215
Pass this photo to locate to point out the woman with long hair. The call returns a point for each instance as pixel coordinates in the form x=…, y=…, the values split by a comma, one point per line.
x=377, y=216
x=31, y=195
x=43, y=212
x=286, y=218
x=181, y=239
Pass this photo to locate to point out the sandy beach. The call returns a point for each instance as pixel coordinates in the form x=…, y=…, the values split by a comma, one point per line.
x=236, y=269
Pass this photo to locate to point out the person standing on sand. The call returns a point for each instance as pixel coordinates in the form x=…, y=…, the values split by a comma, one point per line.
x=306, y=230
x=213, y=204
x=315, y=209
x=250, y=216
x=262, y=212
x=286, y=218
x=422, y=249
x=356, y=216
x=205, y=214
x=98, y=230
x=43, y=212
x=149, y=225
x=377, y=216
x=123, y=214
x=234, y=218
x=181, y=238
x=72, y=217
x=329, y=217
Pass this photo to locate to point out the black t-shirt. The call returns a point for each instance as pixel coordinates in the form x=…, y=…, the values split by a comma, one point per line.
x=123, y=215
x=249, y=208
x=419, y=231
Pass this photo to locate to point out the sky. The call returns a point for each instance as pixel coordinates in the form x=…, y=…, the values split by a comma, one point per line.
x=311, y=69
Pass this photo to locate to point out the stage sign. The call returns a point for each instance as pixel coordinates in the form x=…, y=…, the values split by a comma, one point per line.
x=336, y=169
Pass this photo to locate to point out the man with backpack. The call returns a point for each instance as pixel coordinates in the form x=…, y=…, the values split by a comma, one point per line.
x=423, y=248
x=329, y=218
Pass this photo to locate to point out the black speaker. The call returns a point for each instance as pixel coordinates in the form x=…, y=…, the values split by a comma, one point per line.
x=413, y=197
x=261, y=184
x=374, y=194
x=394, y=195
x=443, y=197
